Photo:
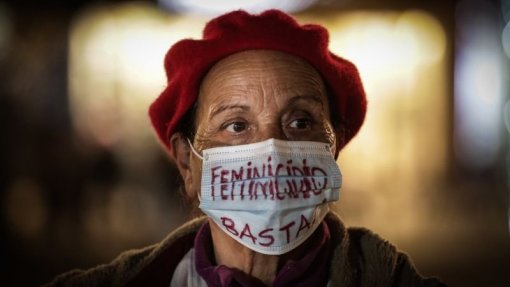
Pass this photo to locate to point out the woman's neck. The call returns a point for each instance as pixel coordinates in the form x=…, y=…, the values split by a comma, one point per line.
x=234, y=255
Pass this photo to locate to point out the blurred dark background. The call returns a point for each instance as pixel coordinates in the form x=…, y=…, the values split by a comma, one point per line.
x=82, y=177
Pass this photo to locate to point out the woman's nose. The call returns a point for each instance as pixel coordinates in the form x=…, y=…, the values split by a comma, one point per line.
x=271, y=131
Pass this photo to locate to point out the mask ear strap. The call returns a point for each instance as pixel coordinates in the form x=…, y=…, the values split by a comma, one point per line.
x=332, y=148
x=194, y=150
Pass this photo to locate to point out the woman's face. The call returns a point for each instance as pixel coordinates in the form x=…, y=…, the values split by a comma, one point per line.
x=255, y=95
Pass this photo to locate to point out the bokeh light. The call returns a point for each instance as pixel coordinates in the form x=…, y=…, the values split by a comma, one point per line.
x=116, y=71
x=505, y=39
x=222, y=6
x=401, y=58
x=479, y=91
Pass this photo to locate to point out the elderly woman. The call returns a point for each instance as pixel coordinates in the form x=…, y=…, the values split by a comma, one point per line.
x=254, y=116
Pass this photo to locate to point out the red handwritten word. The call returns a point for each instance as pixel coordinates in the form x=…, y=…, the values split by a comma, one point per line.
x=267, y=181
x=266, y=237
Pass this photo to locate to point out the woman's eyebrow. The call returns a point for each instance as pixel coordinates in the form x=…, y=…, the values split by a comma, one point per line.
x=312, y=98
x=222, y=108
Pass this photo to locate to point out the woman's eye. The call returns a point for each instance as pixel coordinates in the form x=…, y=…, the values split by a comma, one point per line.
x=302, y=123
x=236, y=127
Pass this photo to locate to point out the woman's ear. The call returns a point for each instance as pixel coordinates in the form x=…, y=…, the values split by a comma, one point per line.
x=180, y=154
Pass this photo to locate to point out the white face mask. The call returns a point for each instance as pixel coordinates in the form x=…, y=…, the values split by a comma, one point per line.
x=269, y=196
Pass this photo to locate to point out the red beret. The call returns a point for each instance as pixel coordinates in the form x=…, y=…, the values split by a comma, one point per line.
x=188, y=61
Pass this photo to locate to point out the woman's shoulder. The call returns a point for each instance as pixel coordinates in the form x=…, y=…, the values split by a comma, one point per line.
x=111, y=274
x=133, y=263
x=366, y=259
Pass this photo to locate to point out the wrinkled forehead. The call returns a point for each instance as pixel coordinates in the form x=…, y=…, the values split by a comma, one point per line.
x=267, y=66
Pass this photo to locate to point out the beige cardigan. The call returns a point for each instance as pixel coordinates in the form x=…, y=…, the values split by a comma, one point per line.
x=361, y=258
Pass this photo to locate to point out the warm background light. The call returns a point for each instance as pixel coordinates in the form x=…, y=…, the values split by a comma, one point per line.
x=400, y=151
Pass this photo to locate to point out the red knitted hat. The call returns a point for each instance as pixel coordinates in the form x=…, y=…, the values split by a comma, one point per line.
x=188, y=61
